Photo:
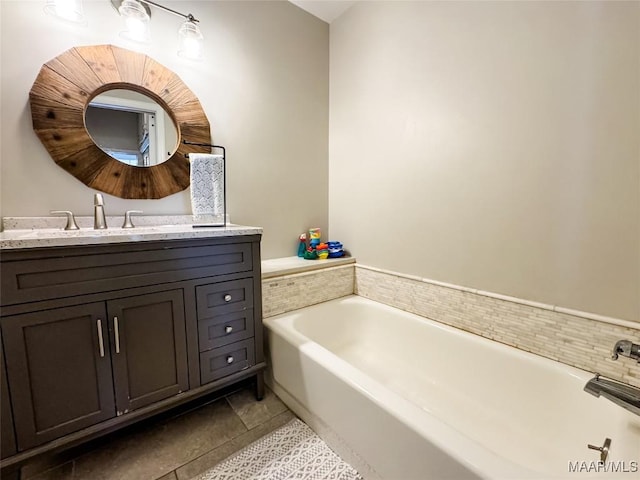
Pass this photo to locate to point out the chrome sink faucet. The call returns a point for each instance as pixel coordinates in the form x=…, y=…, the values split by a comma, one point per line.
x=626, y=348
x=99, y=220
x=71, y=221
x=127, y=218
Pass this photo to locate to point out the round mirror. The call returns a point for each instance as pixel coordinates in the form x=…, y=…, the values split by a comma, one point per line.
x=131, y=127
x=60, y=98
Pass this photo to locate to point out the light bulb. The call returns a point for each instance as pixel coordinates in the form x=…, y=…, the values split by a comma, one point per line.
x=136, y=29
x=191, y=41
x=70, y=10
x=136, y=21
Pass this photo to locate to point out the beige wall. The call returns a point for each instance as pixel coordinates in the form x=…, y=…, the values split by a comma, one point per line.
x=263, y=85
x=492, y=145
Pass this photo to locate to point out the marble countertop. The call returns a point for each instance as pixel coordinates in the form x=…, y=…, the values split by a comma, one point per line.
x=38, y=232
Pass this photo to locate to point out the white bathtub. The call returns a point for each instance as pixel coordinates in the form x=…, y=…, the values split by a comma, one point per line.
x=408, y=398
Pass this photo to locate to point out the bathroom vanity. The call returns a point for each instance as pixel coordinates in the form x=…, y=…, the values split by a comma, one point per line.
x=102, y=329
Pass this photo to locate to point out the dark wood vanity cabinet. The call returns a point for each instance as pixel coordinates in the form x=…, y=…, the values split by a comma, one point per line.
x=59, y=380
x=97, y=337
x=73, y=367
x=148, y=348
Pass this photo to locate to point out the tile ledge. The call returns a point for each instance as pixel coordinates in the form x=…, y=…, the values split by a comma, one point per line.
x=277, y=267
x=554, y=308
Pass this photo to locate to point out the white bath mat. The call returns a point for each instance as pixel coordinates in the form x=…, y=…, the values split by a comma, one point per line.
x=291, y=452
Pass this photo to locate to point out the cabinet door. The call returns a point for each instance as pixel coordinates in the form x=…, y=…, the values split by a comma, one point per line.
x=59, y=371
x=8, y=438
x=149, y=348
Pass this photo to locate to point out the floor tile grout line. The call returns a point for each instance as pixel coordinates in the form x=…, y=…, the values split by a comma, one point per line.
x=248, y=430
x=235, y=412
x=221, y=446
x=226, y=398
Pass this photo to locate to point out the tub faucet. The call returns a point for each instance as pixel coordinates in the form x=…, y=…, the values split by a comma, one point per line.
x=99, y=220
x=627, y=349
x=626, y=396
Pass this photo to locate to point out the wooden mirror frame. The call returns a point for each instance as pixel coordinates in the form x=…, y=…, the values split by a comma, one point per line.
x=61, y=93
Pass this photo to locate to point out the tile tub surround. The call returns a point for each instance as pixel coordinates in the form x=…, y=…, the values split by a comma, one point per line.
x=575, y=338
x=283, y=293
x=33, y=232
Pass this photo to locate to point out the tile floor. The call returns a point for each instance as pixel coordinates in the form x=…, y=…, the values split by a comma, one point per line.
x=177, y=446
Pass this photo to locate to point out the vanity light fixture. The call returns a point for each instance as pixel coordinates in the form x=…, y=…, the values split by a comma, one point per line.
x=136, y=14
x=70, y=10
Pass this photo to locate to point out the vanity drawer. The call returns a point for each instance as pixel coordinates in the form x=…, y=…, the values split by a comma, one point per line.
x=225, y=329
x=66, y=272
x=223, y=361
x=224, y=297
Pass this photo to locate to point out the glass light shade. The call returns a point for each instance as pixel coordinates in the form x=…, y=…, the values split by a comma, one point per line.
x=136, y=21
x=70, y=10
x=191, y=41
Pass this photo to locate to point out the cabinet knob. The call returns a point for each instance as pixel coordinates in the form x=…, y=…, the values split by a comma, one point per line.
x=228, y=329
x=227, y=298
x=229, y=359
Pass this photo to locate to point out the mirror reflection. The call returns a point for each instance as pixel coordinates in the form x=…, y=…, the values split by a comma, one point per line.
x=131, y=127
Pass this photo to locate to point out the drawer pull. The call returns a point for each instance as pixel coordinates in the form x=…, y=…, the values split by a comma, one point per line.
x=100, y=339
x=228, y=329
x=227, y=298
x=230, y=359
x=117, y=333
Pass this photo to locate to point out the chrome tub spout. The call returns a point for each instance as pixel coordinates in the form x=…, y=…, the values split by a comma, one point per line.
x=626, y=396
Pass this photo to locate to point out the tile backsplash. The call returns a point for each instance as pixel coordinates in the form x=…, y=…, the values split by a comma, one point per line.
x=584, y=341
x=290, y=292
